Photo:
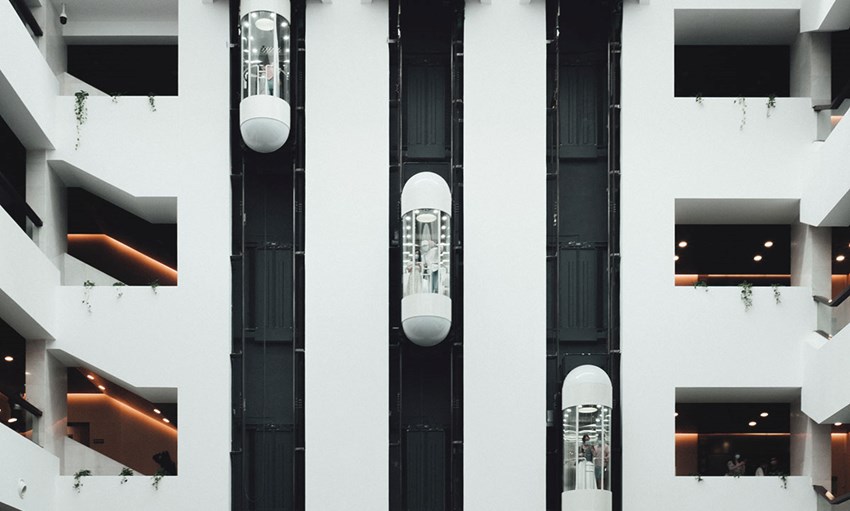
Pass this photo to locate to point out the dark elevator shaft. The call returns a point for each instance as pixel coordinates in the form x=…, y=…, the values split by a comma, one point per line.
x=426, y=383
x=583, y=48
x=267, y=359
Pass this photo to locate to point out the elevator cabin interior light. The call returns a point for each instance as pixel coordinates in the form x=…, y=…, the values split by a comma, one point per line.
x=587, y=398
x=426, y=306
x=264, y=112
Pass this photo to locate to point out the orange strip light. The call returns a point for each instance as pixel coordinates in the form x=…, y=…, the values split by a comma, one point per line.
x=127, y=250
x=170, y=428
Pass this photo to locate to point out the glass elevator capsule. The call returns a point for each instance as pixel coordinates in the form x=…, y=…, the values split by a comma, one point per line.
x=587, y=396
x=426, y=306
x=264, y=115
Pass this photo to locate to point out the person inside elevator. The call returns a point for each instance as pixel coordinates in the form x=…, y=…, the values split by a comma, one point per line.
x=585, y=479
x=736, y=466
x=430, y=264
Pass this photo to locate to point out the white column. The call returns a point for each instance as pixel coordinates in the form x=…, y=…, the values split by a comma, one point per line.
x=811, y=263
x=47, y=387
x=346, y=256
x=504, y=256
x=811, y=448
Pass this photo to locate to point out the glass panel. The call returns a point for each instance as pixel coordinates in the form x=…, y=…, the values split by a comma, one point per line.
x=265, y=55
x=18, y=418
x=426, y=255
x=587, y=447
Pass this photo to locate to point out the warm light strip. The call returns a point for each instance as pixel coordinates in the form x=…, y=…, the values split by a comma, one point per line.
x=125, y=248
x=736, y=434
x=721, y=275
x=82, y=397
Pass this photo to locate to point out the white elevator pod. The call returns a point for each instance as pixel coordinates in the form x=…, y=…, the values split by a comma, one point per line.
x=426, y=304
x=264, y=111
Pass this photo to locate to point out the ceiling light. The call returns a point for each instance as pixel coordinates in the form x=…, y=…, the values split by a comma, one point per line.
x=166, y=420
x=90, y=377
x=156, y=411
x=8, y=358
x=675, y=414
x=426, y=218
x=763, y=414
x=587, y=409
x=768, y=244
x=757, y=258
x=839, y=258
x=838, y=423
x=683, y=244
x=264, y=24
x=675, y=258
x=101, y=387
x=12, y=419
x=752, y=423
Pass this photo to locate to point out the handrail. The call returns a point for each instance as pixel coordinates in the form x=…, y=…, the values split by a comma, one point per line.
x=16, y=399
x=19, y=202
x=26, y=16
x=833, y=302
x=823, y=492
x=845, y=92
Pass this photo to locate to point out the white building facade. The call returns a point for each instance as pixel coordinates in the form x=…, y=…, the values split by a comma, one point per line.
x=684, y=160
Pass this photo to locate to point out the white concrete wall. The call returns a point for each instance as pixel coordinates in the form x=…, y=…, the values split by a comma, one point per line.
x=27, y=84
x=824, y=15
x=79, y=457
x=685, y=337
x=826, y=383
x=826, y=193
x=504, y=256
x=347, y=205
x=23, y=459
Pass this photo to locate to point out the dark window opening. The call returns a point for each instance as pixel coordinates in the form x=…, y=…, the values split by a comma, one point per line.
x=727, y=255
x=733, y=71
x=840, y=56
x=14, y=412
x=737, y=439
x=121, y=424
x=13, y=169
x=119, y=243
x=126, y=70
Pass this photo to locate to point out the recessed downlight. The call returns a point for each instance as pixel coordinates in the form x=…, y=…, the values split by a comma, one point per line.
x=757, y=258
x=90, y=377
x=752, y=423
x=683, y=244
x=675, y=414
x=166, y=420
x=101, y=387
x=838, y=423
x=768, y=244
x=8, y=358
x=12, y=420
x=840, y=257
x=156, y=411
x=675, y=258
x=763, y=414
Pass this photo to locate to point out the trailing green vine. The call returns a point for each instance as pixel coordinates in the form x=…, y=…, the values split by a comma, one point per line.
x=81, y=112
x=698, y=98
x=125, y=472
x=78, y=478
x=742, y=101
x=157, y=477
x=746, y=295
x=87, y=286
x=152, y=102
x=119, y=288
x=771, y=103
x=777, y=294
x=701, y=284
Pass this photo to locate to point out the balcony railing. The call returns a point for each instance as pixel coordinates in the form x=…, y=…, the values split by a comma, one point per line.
x=833, y=314
x=17, y=207
x=26, y=16
x=19, y=415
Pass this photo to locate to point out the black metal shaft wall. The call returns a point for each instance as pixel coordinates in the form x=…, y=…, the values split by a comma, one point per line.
x=267, y=359
x=583, y=212
x=426, y=384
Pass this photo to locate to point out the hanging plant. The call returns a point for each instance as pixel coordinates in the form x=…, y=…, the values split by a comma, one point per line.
x=119, y=287
x=771, y=103
x=87, y=285
x=125, y=472
x=746, y=295
x=154, y=284
x=81, y=112
x=157, y=477
x=698, y=98
x=152, y=102
x=777, y=295
x=701, y=284
x=78, y=482
x=741, y=100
